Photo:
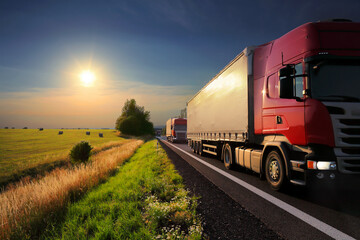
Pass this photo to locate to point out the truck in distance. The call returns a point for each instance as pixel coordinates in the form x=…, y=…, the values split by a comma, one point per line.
x=288, y=109
x=176, y=129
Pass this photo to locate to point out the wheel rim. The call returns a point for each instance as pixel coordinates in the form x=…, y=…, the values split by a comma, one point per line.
x=274, y=170
x=227, y=156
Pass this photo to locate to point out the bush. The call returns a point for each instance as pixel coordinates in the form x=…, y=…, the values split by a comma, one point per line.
x=80, y=152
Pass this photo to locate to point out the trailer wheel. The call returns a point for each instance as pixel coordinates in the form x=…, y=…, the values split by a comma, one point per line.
x=227, y=156
x=197, y=147
x=201, y=153
x=194, y=146
x=275, y=170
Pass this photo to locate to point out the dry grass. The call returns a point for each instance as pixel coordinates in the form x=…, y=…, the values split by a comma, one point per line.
x=29, y=206
x=106, y=146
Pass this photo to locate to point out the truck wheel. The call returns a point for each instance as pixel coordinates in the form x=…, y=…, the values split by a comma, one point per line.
x=275, y=170
x=201, y=153
x=197, y=147
x=194, y=146
x=227, y=156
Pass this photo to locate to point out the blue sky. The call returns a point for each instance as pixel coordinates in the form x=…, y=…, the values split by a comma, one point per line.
x=159, y=52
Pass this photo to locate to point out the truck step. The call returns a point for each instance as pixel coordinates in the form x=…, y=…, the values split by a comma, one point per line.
x=298, y=182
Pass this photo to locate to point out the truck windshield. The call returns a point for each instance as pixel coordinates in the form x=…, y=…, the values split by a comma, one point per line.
x=180, y=127
x=335, y=81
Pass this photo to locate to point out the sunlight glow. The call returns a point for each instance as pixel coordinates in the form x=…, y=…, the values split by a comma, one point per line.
x=87, y=78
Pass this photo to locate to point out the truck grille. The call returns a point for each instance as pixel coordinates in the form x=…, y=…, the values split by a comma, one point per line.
x=346, y=124
x=181, y=135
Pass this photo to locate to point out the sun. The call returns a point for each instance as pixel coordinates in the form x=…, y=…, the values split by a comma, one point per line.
x=87, y=78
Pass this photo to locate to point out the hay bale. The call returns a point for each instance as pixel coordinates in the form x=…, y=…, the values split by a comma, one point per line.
x=101, y=135
x=61, y=132
x=87, y=133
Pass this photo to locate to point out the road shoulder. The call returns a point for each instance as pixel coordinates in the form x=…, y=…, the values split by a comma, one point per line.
x=223, y=217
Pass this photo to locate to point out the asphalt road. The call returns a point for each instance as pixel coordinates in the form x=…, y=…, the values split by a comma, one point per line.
x=317, y=212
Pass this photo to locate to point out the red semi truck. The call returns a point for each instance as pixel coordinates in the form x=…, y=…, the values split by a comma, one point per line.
x=288, y=109
x=176, y=129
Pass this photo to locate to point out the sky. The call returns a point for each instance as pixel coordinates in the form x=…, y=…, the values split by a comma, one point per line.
x=159, y=52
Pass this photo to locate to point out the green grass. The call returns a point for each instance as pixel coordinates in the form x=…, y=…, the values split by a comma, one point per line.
x=30, y=151
x=144, y=200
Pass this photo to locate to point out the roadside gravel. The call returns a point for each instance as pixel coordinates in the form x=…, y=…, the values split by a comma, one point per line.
x=223, y=218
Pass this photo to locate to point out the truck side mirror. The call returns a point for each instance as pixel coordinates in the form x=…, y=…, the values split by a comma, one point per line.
x=287, y=87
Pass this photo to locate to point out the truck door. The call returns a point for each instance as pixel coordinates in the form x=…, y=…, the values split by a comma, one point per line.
x=270, y=98
x=289, y=113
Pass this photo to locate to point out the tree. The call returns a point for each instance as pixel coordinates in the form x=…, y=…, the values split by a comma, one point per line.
x=134, y=120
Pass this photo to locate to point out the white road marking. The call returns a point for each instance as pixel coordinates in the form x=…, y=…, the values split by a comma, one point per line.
x=314, y=222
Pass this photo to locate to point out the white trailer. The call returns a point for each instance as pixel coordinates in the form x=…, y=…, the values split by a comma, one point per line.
x=221, y=113
x=168, y=128
x=220, y=110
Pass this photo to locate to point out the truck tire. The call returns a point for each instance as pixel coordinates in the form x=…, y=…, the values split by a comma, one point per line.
x=201, y=153
x=275, y=170
x=227, y=156
x=197, y=147
x=194, y=146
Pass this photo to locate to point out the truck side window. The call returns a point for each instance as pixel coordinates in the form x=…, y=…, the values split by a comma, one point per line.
x=299, y=82
x=273, y=86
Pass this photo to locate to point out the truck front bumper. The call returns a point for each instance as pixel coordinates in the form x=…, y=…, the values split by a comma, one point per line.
x=322, y=173
x=332, y=179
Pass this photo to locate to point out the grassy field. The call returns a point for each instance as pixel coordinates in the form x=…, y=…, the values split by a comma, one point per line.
x=30, y=151
x=144, y=200
x=27, y=207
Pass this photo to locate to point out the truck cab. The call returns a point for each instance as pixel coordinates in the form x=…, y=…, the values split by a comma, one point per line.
x=310, y=99
x=176, y=129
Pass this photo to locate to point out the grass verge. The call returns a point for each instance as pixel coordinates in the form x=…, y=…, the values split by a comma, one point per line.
x=144, y=200
x=29, y=206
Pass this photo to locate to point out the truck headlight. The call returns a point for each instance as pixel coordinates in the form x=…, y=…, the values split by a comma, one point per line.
x=321, y=165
